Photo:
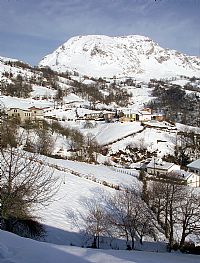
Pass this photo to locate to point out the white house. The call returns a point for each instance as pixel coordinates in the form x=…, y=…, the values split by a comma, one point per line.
x=192, y=179
x=194, y=167
x=145, y=115
x=157, y=166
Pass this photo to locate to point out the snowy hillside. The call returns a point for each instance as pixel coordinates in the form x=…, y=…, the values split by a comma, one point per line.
x=20, y=250
x=134, y=55
x=13, y=67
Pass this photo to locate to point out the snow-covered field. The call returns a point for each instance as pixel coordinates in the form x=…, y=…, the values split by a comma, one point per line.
x=85, y=184
x=13, y=102
x=14, y=249
x=106, y=133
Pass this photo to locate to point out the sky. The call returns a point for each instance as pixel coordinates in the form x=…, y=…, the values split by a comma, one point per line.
x=31, y=29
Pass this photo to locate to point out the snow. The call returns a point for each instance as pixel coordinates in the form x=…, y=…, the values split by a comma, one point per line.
x=103, y=56
x=158, y=124
x=12, y=102
x=99, y=172
x=187, y=128
x=79, y=182
x=161, y=141
x=72, y=98
x=14, y=249
x=180, y=82
x=15, y=70
x=96, y=56
x=42, y=91
x=106, y=133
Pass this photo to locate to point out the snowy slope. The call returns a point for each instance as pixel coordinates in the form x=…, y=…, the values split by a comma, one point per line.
x=78, y=182
x=14, y=249
x=134, y=55
x=5, y=66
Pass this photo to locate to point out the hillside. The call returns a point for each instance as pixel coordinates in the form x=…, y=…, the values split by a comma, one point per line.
x=134, y=56
x=14, y=249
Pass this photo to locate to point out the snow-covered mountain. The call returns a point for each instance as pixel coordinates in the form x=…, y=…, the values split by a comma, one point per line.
x=134, y=55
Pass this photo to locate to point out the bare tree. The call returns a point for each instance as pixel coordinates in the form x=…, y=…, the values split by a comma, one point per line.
x=44, y=144
x=188, y=216
x=95, y=221
x=175, y=205
x=25, y=182
x=129, y=216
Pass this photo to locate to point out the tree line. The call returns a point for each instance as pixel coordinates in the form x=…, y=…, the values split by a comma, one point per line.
x=177, y=105
x=160, y=208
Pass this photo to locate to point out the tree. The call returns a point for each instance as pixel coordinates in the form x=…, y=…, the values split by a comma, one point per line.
x=129, y=216
x=164, y=195
x=44, y=142
x=175, y=205
x=25, y=182
x=59, y=96
x=188, y=216
x=91, y=148
x=95, y=221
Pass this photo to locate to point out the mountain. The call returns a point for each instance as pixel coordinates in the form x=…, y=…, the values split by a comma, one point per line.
x=134, y=55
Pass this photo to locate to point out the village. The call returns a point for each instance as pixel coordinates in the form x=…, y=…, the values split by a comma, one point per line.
x=77, y=112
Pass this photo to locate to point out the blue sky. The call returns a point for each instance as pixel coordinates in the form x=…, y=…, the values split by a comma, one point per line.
x=30, y=29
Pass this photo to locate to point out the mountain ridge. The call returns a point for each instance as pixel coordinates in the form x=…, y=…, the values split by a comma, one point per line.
x=133, y=55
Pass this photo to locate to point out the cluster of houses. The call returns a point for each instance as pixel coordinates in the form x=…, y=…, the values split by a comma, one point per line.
x=31, y=113
x=129, y=115
x=191, y=177
x=126, y=115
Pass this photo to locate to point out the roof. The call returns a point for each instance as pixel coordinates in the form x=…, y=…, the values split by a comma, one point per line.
x=143, y=112
x=184, y=174
x=195, y=164
x=159, y=164
x=17, y=108
x=35, y=108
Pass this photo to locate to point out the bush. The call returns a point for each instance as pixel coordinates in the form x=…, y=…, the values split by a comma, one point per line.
x=188, y=247
x=25, y=227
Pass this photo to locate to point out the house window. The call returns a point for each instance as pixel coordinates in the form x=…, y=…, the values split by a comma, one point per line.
x=35, y=111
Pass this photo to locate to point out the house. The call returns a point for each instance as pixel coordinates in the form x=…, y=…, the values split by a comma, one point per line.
x=109, y=116
x=145, y=114
x=128, y=115
x=192, y=179
x=95, y=115
x=194, y=167
x=36, y=113
x=20, y=114
x=157, y=166
x=23, y=115
x=158, y=116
